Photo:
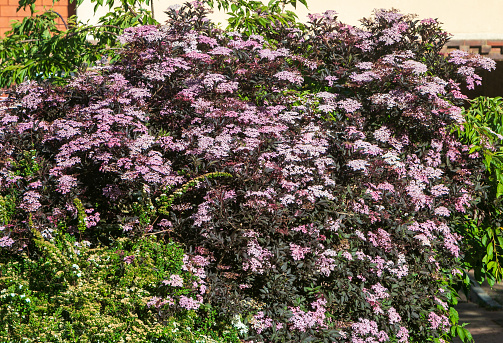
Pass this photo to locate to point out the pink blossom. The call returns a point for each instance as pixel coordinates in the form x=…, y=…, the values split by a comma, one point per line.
x=6, y=242
x=415, y=190
x=393, y=34
x=36, y=184
x=349, y=105
x=393, y=315
x=174, y=280
x=386, y=186
x=128, y=259
x=367, y=148
x=365, y=65
x=228, y=87
x=326, y=262
x=381, y=239
x=220, y=51
x=358, y=165
x=416, y=67
x=7, y=118
x=66, y=183
x=30, y=201
x=403, y=335
x=155, y=301
x=462, y=201
x=293, y=77
x=388, y=16
x=302, y=320
x=439, y=190
x=364, y=77
x=298, y=252
x=258, y=259
x=331, y=80
x=260, y=322
x=383, y=134
x=442, y=211
x=273, y=54
x=92, y=220
x=423, y=239
x=189, y=303
x=429, y=21
x=438, y=321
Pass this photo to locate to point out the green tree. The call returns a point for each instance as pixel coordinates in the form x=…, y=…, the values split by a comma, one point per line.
x=55, y=54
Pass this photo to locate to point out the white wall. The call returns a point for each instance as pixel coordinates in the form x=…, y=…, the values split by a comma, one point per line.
x=466, y=19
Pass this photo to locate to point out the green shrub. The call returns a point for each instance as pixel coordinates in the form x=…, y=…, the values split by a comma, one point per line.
x=68, y=292
x=482, y=232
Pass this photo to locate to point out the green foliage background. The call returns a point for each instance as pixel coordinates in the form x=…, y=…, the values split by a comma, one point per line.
x=483, y=233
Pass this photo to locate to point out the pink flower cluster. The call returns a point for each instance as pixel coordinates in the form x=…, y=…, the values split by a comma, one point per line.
x=302, y=320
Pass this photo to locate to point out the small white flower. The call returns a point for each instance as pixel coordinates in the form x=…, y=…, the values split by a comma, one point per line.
x=238, y=324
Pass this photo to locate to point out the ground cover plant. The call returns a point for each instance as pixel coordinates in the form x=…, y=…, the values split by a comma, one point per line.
x=302, y=186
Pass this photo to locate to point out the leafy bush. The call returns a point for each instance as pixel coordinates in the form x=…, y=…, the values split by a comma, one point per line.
x=36, y=49
x=483, y=131
x=67, y=291
x=255, y=17
x=311, y=182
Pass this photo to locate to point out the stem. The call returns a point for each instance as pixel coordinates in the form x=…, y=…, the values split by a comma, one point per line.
x=60, y=17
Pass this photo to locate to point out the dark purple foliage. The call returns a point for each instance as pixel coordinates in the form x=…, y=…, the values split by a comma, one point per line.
x=314, y=180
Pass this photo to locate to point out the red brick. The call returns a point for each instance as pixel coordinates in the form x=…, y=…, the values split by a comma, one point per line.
x=11, y=19
x=63, y=10
x=4, y=22
x=494, y=43
x=475, y=42
x=9, y=11
x=455, y=42
x=49, y=3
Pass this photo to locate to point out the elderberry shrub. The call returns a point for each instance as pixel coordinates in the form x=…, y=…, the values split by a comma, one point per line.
x=312, y=182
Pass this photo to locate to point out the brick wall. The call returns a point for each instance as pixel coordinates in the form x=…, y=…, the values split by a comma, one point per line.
x=486, y=47
x=8, y=11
